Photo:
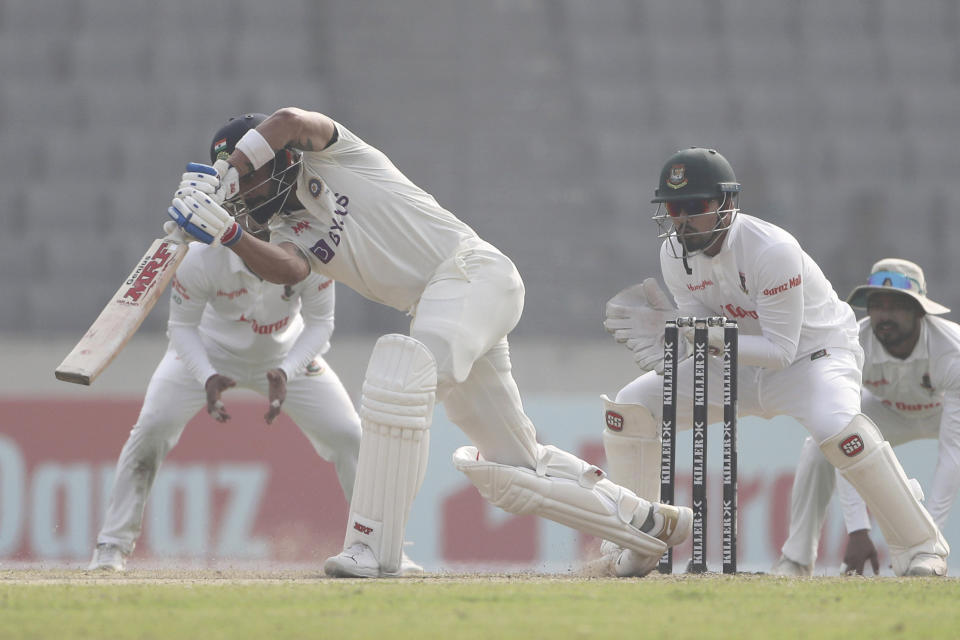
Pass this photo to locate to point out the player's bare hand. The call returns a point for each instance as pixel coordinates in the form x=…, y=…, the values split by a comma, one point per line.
x=215, y=386
x=276, y=393
x=860, y=549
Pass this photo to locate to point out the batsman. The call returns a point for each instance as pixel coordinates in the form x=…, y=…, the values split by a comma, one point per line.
x=799, y=353
x=339, y=207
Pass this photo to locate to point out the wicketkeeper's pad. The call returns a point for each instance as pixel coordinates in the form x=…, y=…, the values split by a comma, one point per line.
x=867, y=461
x=631, y=440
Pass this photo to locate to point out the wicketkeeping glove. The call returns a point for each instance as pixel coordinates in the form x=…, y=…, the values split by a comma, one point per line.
x=715, y=345
x=636, y=317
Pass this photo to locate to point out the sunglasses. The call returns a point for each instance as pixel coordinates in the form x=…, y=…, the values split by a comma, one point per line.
x=892, y=279
x=690, y=207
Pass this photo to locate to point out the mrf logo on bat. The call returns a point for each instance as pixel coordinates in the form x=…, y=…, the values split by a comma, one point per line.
x=145, y=274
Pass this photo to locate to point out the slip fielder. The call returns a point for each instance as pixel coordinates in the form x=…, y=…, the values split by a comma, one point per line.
x=911, y=390
x=228, y=328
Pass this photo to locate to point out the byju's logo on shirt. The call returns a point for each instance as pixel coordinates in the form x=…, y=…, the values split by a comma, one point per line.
x=322, y=249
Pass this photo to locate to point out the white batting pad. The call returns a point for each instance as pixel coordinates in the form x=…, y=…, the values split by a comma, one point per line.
x=395, y=412
x=631, y=440
x=564, y=489
x=862, y=456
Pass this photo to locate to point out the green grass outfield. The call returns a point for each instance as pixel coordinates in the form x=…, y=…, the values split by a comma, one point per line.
x=167, y=604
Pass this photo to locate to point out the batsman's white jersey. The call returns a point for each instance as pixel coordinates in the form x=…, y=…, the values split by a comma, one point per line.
x=798, y=340
x=917, y=397
x=226, y=320
x=369, y=227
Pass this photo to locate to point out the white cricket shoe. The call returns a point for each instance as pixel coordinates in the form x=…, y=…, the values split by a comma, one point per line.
x=409, y=568
x=359, y=562
x=927, y=564
x=669, y=524
x=787, y=568
x=108, y=557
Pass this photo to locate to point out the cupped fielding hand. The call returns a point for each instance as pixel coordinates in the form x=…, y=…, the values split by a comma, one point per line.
x=860, y=549
x=276, y=393
x=215, y=386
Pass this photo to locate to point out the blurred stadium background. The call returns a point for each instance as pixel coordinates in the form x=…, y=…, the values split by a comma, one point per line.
x=541, y=123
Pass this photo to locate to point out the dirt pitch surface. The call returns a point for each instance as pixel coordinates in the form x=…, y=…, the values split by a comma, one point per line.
x=230, y=576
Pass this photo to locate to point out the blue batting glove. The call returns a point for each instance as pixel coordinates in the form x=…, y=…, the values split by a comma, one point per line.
x=183, y=221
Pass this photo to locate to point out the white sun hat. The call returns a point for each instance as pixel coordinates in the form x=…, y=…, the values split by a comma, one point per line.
x=902, y=276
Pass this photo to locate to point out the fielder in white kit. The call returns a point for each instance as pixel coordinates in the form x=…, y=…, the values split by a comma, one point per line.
x=798, y=350
x=911, y=390
x=369, y=227
x=227, y=328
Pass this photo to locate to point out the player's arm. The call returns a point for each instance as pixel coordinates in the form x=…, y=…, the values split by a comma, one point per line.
x=287, y=127
x=189, y=296
x=281, y=263
x=318, y=300
x=946, y=476
x=779, y=308
x=860, y=548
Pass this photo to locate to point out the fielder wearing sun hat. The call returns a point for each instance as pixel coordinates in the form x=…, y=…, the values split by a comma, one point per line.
x=896, y=275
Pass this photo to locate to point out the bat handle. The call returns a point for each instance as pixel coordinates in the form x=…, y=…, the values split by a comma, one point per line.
x=201, y=168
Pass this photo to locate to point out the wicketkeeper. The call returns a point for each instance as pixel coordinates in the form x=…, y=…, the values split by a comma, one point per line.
x=798, y=350
x=911, y=390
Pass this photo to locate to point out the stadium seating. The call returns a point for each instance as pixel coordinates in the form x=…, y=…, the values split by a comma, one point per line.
x=542, y=124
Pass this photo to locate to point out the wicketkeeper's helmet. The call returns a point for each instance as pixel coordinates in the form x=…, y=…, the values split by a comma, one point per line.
x=689, y=181
x=696, y=173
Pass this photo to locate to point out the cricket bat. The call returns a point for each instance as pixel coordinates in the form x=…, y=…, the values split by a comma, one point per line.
x=124, y=313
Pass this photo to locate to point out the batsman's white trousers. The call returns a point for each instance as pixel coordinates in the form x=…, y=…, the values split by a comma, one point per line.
x=464, y=315
x=318, y=404
x=816, y=479
x=822, y=394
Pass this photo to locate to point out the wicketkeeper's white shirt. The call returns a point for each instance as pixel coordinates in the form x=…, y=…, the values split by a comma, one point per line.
x=367, y=225
x=786, y=308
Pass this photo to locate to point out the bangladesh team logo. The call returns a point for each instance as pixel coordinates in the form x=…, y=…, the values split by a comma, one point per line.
x=678, y=176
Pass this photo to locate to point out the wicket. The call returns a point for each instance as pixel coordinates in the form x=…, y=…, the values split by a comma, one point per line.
x=668, y=430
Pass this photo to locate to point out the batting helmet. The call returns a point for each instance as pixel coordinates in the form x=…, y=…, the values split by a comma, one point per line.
x=282, y=175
